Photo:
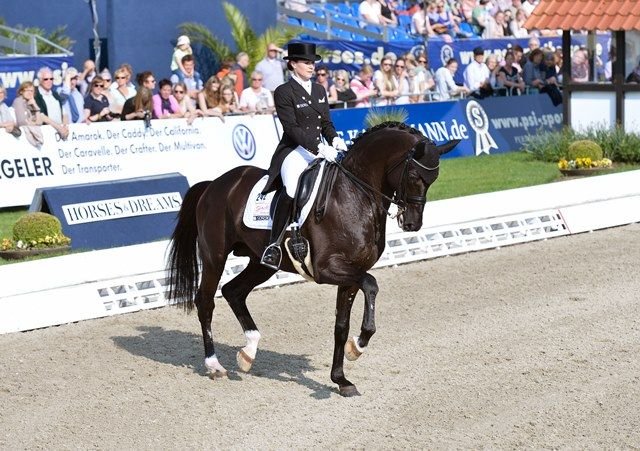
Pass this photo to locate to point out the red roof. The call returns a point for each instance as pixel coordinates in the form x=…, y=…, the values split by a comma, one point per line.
x=588, y=15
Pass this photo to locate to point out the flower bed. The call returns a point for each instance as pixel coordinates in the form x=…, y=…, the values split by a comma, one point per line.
x=584, y=166
x=14, y=250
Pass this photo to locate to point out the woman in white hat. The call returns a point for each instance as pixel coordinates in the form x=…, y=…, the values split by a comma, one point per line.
x=182, y=48
x=303, y=110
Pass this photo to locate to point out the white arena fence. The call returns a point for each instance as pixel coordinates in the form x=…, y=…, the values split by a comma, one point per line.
x=96, y=284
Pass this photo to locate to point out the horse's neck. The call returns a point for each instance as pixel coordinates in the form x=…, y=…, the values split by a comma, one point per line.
x=371, y=168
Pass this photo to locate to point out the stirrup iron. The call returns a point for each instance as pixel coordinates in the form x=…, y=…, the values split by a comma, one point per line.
x=272, y=256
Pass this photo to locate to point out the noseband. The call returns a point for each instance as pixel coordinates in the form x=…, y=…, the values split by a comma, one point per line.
x=400, y=197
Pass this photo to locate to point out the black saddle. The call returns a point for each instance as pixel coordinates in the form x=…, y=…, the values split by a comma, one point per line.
x=305, y=189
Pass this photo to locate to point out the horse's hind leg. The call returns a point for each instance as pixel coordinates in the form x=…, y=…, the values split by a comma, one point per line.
x=205, y=303
x=344, y=302
x=236, y=292
x=355, y=346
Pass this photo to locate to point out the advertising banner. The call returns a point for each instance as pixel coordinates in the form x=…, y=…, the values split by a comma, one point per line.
x=208, y=148
x=17, y=69
x=119, y=150
x=351, y=55
x=116, y=213
x=489, y=126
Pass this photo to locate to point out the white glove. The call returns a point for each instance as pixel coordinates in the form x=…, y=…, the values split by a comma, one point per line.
x=339, y=144
x=327, y=152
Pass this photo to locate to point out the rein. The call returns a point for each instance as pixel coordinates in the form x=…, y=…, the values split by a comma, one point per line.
x=399, y=198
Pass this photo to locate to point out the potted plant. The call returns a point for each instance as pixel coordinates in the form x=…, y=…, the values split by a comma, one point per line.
x=34, y=234
x=584, y=157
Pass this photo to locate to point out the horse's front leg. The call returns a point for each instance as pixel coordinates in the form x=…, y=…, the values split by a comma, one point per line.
x=355, y=346
x=344, y=302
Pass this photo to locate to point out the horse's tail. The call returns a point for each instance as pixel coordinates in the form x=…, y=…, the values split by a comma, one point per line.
x=183, y=267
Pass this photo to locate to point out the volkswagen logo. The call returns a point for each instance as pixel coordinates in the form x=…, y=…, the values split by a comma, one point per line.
x=243, y=142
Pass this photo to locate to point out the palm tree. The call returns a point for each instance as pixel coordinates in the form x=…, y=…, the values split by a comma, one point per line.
x=246, y=39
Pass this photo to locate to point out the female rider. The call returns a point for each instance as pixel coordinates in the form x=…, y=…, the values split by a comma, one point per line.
x=303, y=109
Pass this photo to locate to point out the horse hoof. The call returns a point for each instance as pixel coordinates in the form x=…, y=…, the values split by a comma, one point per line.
x=351, y=351
x=244, y=361
x=348, y=391
x=217, y=374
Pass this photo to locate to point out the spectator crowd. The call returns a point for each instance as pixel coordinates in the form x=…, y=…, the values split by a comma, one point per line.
x=88, y=95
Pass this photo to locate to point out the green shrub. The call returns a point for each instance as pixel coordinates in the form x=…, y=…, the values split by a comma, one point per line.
x=549, y=146
x=626, y=149
x=35, y=227
x=615, y=144
x=584, y=148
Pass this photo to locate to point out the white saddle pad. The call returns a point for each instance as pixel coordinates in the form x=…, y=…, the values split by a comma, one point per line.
x=256, y=213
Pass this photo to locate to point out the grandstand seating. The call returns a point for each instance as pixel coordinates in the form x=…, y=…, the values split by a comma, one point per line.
x=339, y=20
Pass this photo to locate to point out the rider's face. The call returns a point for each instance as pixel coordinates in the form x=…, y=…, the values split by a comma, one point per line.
x=303, y=69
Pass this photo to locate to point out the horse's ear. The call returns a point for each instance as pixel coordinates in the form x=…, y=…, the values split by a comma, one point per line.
x=447, y=147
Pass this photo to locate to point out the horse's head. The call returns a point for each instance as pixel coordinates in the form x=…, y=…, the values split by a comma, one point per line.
x=414, y=175
x=407, y=162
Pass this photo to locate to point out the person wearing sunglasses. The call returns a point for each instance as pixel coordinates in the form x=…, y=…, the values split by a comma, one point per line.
x=323, y=78
x=344, y=93
x=165, y=105
x=96, y=104
x=424, y=75
x=121, y=91
x=401, y=81
x=383, y=79
x=50, y=103
x=256, y=98
x=185, y=103
x=29, y=115
x=303, y=110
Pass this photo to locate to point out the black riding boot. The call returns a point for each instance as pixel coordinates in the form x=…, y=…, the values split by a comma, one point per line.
x=272, y=255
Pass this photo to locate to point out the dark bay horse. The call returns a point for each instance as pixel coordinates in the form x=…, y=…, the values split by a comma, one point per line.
x=389, y=162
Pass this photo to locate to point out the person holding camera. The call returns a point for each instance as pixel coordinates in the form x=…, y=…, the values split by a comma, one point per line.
x=139, y=106
x=96, y=104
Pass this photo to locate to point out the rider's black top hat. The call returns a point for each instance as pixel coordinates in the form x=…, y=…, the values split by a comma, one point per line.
x=302, y=51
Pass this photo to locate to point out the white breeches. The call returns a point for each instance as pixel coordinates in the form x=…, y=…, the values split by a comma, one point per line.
x=292, y=166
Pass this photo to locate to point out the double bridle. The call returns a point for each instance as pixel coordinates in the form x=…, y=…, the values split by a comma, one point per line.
x=400, y=197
